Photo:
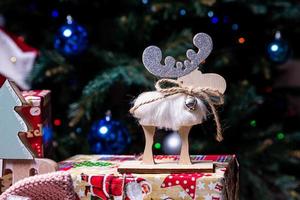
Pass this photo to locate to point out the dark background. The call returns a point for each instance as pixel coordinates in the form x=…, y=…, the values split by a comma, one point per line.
x=261, y=113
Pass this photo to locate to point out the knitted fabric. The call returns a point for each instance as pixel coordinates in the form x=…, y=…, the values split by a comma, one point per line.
x=51, y=186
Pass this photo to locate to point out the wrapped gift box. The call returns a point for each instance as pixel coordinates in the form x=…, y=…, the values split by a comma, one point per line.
x=38, y=113
x=96, y=177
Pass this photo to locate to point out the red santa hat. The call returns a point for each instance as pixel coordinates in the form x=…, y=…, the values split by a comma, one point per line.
x=16, y=58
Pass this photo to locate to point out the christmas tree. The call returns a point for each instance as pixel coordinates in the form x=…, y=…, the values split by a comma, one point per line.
x=100, y=69
x=15, y=127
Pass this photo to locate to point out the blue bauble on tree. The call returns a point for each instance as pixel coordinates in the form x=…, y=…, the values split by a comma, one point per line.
x=108, y=136
x=278, y=50
x=71, y=38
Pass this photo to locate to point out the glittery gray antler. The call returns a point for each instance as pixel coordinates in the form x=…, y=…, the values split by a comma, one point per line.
x=152, y=57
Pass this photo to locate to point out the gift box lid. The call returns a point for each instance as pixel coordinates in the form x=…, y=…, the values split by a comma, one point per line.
x=37, y=97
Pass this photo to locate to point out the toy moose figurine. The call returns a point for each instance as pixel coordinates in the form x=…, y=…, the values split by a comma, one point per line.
x=182, y=105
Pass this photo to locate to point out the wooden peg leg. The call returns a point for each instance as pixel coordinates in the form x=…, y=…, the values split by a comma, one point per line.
x=149, y=132
x=184, y=153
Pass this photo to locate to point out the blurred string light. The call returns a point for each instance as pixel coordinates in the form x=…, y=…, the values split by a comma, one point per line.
x=172, y=143
x=253, y=123
x=278, y=50
x=107, y=117
x=153, y=8
x=182, y=12
x=69, y=19
x=57, y=122
x=67, y=32
x=280, y=135
x=234, y=27
x=274, y=47
x=210, y=13
x=145, y=1
x=241, y=40
x=214, y=20
x=54, y=13
x=78, y=130
x=157, y=145
x=103, y=130
x=226, y=20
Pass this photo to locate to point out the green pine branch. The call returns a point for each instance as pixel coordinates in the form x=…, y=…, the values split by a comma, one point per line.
x=94, y=92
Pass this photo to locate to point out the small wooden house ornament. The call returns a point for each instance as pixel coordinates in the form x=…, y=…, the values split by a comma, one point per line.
x=185, y=103
x=15, y=153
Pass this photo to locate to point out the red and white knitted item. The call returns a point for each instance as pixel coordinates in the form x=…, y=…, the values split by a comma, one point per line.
x=51, y=186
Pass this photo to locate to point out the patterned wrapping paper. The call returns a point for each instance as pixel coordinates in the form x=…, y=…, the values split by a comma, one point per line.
x=96, y=177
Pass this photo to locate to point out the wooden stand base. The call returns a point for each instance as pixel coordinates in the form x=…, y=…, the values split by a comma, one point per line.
x=164, y=168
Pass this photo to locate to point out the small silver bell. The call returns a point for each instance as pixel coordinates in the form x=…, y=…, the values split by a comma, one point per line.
x=191, y=103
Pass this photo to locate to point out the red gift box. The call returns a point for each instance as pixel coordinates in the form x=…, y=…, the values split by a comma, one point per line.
x=38, y=113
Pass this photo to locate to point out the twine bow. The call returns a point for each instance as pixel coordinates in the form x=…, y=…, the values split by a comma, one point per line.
x=204, y=94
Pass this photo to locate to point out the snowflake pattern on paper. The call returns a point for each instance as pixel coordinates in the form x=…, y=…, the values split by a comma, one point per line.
x=201, y=185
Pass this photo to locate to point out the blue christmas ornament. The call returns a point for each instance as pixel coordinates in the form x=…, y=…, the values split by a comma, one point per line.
x=108, y=136
x=71, y=38
x=278, y=50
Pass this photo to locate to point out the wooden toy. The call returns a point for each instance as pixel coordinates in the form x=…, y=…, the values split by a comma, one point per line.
x=15, y=152
x=180, y=103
